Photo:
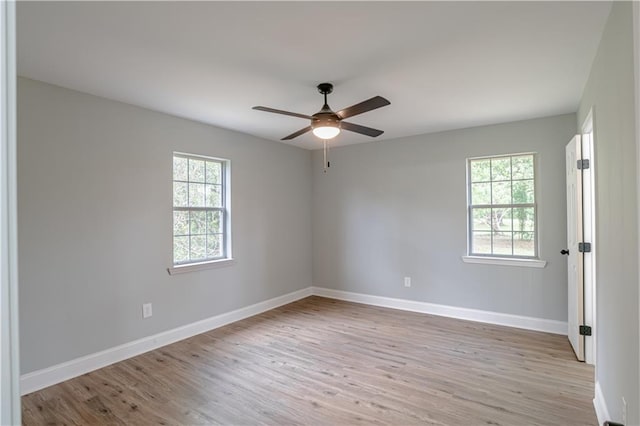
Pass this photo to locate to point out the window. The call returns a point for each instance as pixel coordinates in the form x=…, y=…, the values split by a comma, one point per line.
x=200, y=209
x=502, y=206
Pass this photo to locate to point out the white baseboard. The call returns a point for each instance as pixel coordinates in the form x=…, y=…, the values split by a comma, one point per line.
x=602, y=413
x=58, y=373
x=40, y=379
x=518, y=321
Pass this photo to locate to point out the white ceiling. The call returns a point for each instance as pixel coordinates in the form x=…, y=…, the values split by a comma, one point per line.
x=443, y=65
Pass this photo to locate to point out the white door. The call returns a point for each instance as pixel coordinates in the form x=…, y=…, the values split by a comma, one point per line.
x=574, y=237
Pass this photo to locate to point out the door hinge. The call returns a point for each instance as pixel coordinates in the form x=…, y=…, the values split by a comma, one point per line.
x=583, y=164
x=584, y=247
x=585, y=330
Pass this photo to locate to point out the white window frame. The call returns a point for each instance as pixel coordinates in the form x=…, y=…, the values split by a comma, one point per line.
x=226, y=258
x=503, y=259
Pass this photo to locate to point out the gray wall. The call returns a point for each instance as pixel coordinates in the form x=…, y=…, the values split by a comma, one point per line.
x=609, y=91
x=386, y=210
x=94, y=206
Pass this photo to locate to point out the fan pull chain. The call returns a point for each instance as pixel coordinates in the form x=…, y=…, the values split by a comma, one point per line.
x=327, y=164
x=324, y=151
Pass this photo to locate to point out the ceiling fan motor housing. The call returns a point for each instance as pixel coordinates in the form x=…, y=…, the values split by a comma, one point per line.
x=325, y=119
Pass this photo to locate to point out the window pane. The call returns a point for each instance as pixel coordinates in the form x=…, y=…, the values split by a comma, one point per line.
x=481, y=219
x=198, y=247
x=214, y=222
x=214, y=170
x=480, y=170
x=214, y=246
x=197, y=223
x=196, y=170
x=501, y=168
x=481, y=243
x=196, y=194
x=502, y=243
x=502, y=228
x=522, y=167
x=523, y=219
x=199, y=209
x=179, y=168
x=501, y=193
x=523, y=192
x=480, y=193
x=501, y=220
x=523, y=244
x=180, y=249
x=180, y=194
x=180, y=223
x=213, y=195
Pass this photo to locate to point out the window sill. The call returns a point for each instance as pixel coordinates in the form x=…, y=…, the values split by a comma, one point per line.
x=504, y=261
x=193, y=267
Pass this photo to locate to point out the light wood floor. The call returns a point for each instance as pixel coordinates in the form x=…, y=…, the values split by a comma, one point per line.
x=320, y=361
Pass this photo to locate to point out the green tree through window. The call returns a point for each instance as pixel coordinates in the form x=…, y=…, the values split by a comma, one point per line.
x=502, y=206
x=199, y=209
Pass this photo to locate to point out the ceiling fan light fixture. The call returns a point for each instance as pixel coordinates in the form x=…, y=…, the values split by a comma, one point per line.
x=326, y=124
x=327, y=131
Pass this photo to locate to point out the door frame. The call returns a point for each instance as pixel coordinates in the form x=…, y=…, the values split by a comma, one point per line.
x=9, y=357
x=636, y=42
x=587, y=131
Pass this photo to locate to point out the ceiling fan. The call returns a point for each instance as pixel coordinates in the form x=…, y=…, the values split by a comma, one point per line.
x=327, y=124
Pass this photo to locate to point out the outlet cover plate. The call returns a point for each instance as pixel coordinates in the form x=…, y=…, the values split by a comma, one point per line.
x=147, y=310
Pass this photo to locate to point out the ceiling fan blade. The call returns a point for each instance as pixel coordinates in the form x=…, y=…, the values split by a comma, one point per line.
x=296, y=134
x=368, y=105
x=279, y=111
x=360, y=129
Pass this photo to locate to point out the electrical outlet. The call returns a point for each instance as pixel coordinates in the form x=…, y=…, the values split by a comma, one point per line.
x=407, y=281
x=147, y=310
x=624, y=411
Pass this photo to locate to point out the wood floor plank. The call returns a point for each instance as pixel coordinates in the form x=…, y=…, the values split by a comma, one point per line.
x=326, y=362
